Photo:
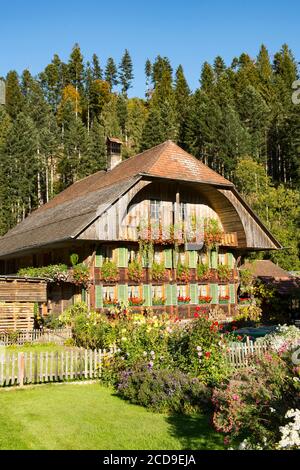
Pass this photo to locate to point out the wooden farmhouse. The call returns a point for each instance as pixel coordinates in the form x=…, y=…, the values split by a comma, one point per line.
x=159, y=230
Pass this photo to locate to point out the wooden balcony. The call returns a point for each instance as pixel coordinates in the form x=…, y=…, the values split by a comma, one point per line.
x=229, y=239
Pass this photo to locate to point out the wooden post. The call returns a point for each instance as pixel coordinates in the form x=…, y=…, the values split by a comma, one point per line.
x=21, y=367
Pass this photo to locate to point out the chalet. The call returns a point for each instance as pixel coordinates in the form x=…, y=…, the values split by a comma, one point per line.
x=159, y=229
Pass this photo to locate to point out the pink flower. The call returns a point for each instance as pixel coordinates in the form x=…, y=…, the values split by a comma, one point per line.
x=235, y=397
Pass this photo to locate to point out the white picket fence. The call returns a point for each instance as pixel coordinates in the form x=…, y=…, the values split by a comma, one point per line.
x=57, y=336
x=241, y=354
x=24, y=368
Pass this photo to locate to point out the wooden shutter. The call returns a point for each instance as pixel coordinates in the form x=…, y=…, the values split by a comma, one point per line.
x=98, y=296
x=230, y=260
x=231, y=294
x=214, y=293
x=123, y=293
x=194, y=293
x=214, y=259
x=174, y=294
x=168, y=258
x=147, y=295
x=192, y=259
x=98, y=257
x=122, y=257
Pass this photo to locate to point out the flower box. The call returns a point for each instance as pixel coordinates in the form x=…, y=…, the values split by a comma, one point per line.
x=158, y=301
x=110, y=303
x=205, y=299
x=183, y=300
x=135, y=301
x=224, y=300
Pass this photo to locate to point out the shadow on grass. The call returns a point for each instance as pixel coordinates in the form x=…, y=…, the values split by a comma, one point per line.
x=195, y=432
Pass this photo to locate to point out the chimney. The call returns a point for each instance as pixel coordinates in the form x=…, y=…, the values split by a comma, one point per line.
x=114, y=152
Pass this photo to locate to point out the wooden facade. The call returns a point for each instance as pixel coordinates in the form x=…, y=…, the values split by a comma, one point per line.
x=19, y=298
x=162, y=198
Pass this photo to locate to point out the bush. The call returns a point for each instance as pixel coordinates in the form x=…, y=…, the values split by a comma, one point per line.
x=198, y=349
x=253, y=403
x=158, y=271
x=163, y=390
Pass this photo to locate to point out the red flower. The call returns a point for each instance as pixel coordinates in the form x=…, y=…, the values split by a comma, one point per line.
x=207, y=354
x=196, y=315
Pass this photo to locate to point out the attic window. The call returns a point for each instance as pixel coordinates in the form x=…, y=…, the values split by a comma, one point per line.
x=155, y=210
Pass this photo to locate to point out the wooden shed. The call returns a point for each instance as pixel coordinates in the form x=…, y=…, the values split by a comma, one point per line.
x=18, y=297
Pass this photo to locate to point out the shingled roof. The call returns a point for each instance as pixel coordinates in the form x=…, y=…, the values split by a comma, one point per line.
x=89, y=197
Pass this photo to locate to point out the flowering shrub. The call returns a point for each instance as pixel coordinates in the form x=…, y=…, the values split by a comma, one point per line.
x=212, y=233
x=290, y=433
x=283, y=338
x=81, y=275
x=252, y=404
x=198, y=349
x=163, y=390
x=55, y=272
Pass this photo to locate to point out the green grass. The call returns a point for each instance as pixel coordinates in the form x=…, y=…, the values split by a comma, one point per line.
x=35, y=348
x=90, y=416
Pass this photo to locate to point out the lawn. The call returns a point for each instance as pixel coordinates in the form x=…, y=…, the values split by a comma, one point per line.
x=90, y=416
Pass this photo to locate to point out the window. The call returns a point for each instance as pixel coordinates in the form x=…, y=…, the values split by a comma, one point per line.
x=222, y=259
x=109, y=253
x=157, y=291
x=203, y=258
x=181, y=257
x=155, y=210
x=183, y=211
x=203, y=290
x=134, y=291
x=109, y=293
x=158, y=255
x=132, y=254
x=223, y=291
x=183, y=291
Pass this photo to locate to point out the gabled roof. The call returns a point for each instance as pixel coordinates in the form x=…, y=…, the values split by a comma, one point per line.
x=58, y=222
x=71, y=211
x=266, y=268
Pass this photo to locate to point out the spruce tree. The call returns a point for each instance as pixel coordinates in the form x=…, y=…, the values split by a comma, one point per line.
x=97, y=71
x=126, y=72
x=111, y=73
x=14, y=96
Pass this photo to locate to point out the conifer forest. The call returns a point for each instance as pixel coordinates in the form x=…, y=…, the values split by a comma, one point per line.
x=240, y=121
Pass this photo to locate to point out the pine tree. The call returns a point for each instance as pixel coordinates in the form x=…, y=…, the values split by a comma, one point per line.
x=97, y=71
x=148, y=73
x=76, y=74
x=14, y=96
x=182, y=103
x=207, y=78
x=126, y=72
x=111, y=73
x=95, y=159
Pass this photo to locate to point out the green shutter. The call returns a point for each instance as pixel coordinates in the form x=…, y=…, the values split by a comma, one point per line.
x=214, y=259
x=98, y=297
x=122, y=257
x=230, y=260
x=231, y=293
x=83, y=295
x=168, y=258
x=174, y=294
x=147, y=295
x=192, y=259
x=123, y=293
x=168, y=290
x=214, y=293
x=194, y=293
x=98, y=258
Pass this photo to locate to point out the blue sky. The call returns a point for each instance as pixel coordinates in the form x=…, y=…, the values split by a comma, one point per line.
x=188, y=32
